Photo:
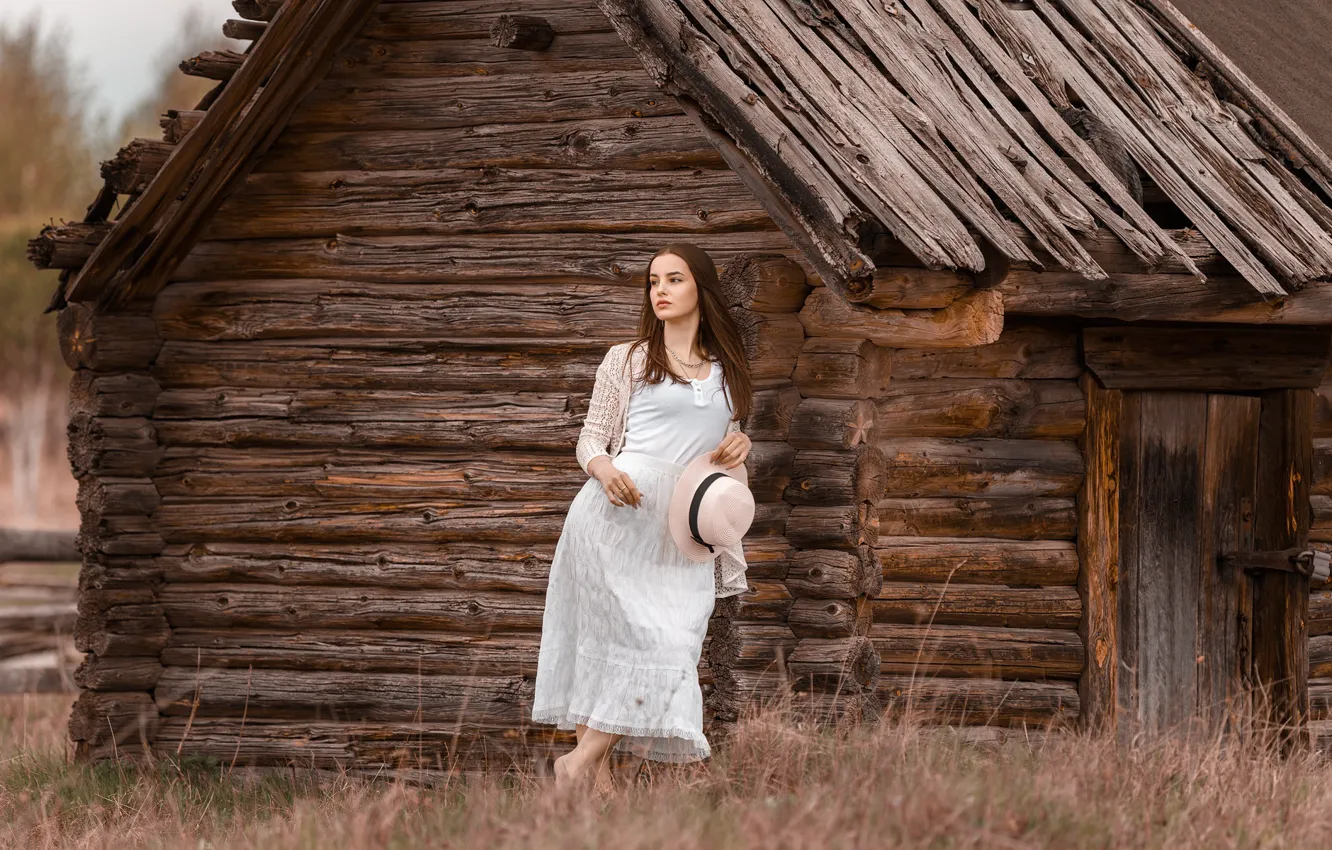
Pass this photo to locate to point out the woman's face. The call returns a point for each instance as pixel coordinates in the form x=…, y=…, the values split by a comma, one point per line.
x=673, y=283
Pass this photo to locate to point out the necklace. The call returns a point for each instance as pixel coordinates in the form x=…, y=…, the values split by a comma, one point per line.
x=681, y=362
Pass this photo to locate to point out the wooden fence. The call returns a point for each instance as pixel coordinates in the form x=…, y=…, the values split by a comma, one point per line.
x=38, y=605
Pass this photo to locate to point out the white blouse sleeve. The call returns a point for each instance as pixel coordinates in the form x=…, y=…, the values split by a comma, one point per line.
x=602, y=411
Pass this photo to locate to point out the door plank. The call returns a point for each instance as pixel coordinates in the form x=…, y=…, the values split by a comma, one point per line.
x=1282, y=521
x=1229, y=475
x=1171, y=436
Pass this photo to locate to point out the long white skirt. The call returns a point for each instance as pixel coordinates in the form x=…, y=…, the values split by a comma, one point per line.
x=624, y=623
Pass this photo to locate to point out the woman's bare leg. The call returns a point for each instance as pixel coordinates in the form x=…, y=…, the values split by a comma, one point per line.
x=591, y=754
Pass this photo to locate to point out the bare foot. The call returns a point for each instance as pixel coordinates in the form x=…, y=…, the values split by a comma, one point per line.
x=563, y=777
x=604, y=783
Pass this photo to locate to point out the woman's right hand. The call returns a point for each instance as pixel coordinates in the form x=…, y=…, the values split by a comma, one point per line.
x=619, y=487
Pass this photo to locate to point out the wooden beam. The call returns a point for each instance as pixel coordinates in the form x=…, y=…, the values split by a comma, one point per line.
x=1281, y=600
x=976, y=318
x=158, y=230
x=1146, y=297
x=1098, y=555
x=1207, y=359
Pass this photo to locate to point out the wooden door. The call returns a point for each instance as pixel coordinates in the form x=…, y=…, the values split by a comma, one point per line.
x=1188, y=477
x=1199, y=444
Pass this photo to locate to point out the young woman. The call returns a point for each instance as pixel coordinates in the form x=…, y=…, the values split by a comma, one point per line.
x=626, y=611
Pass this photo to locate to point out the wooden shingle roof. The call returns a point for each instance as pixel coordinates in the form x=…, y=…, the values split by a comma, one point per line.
x=968, y=129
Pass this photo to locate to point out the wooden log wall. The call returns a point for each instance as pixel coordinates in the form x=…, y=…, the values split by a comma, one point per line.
x=1320, y=595
x=114, y=450
x=373, y=371
x=976, y=611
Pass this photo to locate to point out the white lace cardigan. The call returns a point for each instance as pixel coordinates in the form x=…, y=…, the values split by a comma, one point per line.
x=603, y=434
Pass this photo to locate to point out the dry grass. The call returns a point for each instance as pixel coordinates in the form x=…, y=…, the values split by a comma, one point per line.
x=774, y=785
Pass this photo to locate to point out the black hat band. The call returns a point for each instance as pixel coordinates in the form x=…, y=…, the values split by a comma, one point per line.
x=693, y=507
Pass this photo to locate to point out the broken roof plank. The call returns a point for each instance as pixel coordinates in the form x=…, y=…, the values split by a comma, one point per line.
x=898, y=49
x=1104, y=95
x=1211, y=131
x=1320, y=164
x=1141, y=234
x=156, y=231
x=902, y=166
x=685, y=63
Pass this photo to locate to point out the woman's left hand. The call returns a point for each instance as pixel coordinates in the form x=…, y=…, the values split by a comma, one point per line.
x=732, y=450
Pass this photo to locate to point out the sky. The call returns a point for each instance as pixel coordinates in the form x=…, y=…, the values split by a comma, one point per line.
x=115, y=43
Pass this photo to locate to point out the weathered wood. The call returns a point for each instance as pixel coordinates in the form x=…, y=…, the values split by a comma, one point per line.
x=44, y=618
x=120, y=394
x=327, y=203
x=992, y=468
x=971, y=408
x=1045, y=563
x=1320, y=612
x=765, y=283
x=122, y=631
x=244, y=30
x=758, y=646
x=1019, y=519
x=135, y=165
x=1161, y=297
x=908, y=288
x=449, y=19
x=106, y=342
x=833, y=367
x=213, y=64
x=972, y=320
x=835, y=424
x=402, y=364
x=839, y=664
x=67, y=245
x=654, y=142
x=104, y=724
x=112, y=446
x=765, y=601
x=977, y=651
x=464, y=566
x=840, y=527
x=979, y=701
x=821, y=477
x=807, y=201
x=1281, y=521
x=177, y=123
x=356, y=651
x=1023, y=351
x=118, y=674
x=522, y=32
x=198, y=476
x=103, y=496
x=366, y=58
x=537, y=257
x=22, y=544
x=303, y=42
x=834, y=574
x=829, y=618
x=466, y=702
x=287, y=606
x=771, y=412
x=977, y=605
x=772, y=344
x=1203, y=359
x=413, y=103
x=1098, y=555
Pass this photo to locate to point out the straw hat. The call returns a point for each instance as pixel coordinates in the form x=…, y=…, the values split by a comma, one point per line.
x=711, y=508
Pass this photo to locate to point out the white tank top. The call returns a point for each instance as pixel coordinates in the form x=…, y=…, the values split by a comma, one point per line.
x=678, y=422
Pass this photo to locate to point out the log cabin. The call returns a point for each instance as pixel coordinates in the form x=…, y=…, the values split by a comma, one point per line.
x=1033, y=293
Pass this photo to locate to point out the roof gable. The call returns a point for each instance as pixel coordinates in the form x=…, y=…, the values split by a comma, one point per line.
x=155, y=232
x=953, y=129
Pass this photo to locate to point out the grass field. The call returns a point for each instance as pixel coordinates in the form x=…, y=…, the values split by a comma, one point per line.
x=775, y=785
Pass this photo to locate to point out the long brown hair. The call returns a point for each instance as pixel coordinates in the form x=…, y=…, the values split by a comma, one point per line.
x=717, y=333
